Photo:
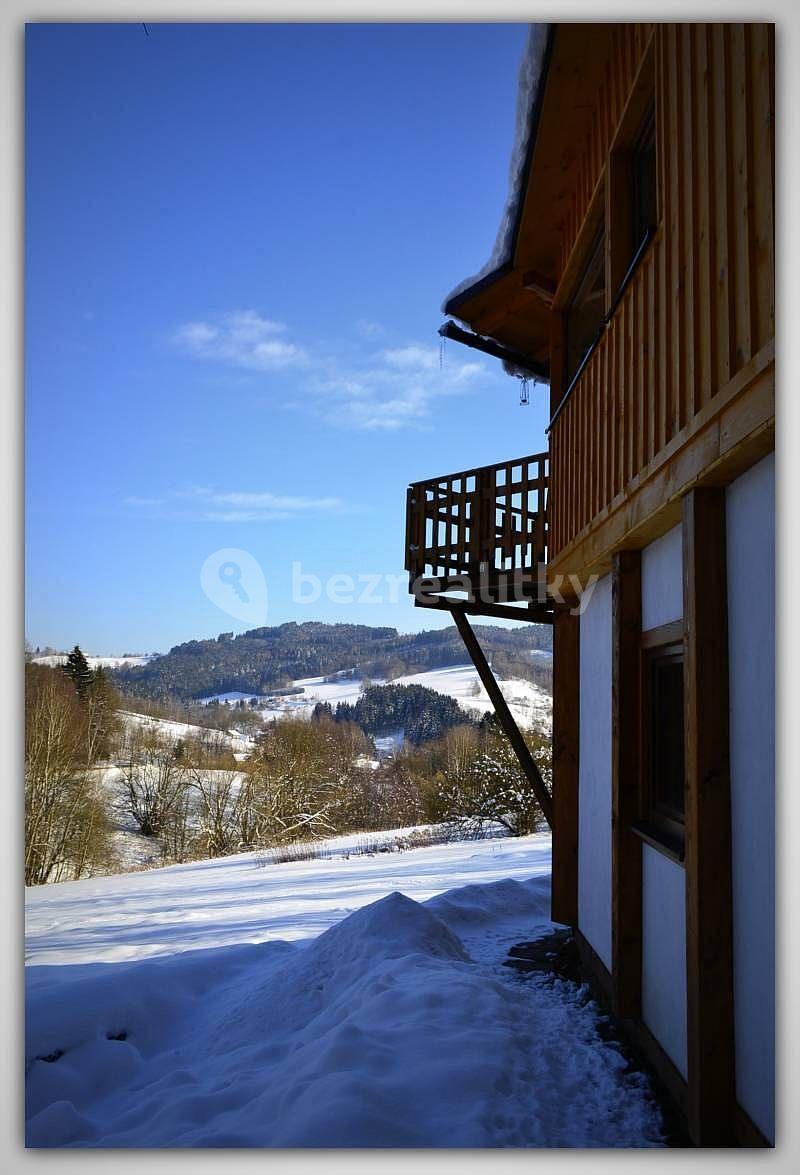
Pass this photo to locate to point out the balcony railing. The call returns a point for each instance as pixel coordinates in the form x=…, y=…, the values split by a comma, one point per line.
x=488, y=524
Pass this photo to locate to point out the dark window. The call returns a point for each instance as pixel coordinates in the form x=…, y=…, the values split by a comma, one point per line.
x=588, y=307
x=643, y=181
x=664, y=772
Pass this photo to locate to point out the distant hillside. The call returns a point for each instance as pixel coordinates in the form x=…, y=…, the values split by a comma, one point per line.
x=266, y=659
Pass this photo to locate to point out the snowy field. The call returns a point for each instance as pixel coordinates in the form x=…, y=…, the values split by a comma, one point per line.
x=54, y=659
x=241, y=743
x=337, y=1002
x=530, y=705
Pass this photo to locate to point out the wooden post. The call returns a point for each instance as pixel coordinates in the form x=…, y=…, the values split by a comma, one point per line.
x=709, y=915
x=626, y=766
x=504, y=715
x=566, y=730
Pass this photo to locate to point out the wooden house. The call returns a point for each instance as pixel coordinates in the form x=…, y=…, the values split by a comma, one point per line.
x=636, y=277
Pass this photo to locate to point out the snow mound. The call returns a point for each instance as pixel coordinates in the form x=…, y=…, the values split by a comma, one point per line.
x=473, y=906
x=382, y=1032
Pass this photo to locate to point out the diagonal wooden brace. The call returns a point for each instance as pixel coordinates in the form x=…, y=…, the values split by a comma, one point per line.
x=504, y=716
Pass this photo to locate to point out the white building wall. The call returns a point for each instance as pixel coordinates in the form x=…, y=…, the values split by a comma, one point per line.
x=664, y=953
x=662, y=580
x=751, y=638
x=594, y=773
x=663, y=881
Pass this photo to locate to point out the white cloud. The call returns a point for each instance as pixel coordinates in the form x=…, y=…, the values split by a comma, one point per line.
x=274, y=501
x=209, y=505
x=244, y=339
x=396, y=390
x=244, y=516
x=413, y=356
x=370, y=330
x=375, y=390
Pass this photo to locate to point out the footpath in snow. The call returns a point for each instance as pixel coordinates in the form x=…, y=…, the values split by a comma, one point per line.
x=339, y=1002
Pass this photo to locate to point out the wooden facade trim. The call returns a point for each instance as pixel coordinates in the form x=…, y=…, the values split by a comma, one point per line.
x=700, y=308
x=566, y=742
x=626, y=767
x=731, y=434
x=709, y=900
x=664, y=634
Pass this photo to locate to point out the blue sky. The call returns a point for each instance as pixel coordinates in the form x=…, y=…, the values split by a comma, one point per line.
x=238, y=239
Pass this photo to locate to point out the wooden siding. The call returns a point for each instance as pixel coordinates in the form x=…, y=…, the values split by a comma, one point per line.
x=629, y=42
x=700, y=307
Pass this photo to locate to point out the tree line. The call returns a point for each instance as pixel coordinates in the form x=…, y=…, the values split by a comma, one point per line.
x=270, y=658
x=90, y=766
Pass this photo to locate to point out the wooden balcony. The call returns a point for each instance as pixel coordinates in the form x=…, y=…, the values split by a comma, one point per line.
x=482, y=532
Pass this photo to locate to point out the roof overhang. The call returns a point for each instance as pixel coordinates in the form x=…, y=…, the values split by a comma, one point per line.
x=511, y=303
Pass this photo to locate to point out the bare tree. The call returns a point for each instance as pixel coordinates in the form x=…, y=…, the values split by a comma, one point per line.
x=217, y=792
x=154, y=779
x=66, y=831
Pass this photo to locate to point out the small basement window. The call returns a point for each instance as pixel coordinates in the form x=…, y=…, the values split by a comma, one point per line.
x=663, y=806
x=585, y=315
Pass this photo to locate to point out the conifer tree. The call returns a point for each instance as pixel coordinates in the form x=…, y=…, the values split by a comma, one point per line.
x=77, y=668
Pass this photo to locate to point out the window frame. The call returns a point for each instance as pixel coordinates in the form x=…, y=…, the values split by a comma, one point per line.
x=660, y=825
x=597, y=251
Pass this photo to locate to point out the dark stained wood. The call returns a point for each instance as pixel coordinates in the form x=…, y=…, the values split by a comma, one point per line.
x=535, y=613
x=709, y=939
x=626, y=848
x=453, y=528
x=566, y=717
x=665, y=634
x=504, y=716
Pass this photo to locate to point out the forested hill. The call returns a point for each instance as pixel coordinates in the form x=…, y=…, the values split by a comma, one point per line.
x=266, y=659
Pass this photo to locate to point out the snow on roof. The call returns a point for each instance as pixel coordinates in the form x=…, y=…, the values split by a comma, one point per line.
x=530, y=74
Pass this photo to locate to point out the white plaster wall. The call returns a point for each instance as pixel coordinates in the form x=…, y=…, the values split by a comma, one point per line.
x=594, y=774
x=751, y=638
x=663, y=881
x=664, y=953
x=662, y=580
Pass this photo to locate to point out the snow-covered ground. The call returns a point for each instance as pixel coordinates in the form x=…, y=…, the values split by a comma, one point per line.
x=54, y=659
x=243, y=743
x=336, y=1002
x=530, y=704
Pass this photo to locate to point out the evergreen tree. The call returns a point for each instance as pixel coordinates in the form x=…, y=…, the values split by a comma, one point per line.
x=102, y=702
x=77, y=668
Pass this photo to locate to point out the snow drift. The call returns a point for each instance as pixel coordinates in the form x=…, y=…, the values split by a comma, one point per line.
x=382, y=1032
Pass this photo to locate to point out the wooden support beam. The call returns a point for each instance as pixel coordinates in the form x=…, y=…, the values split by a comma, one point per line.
x=709, y=915
x=566, y=707
x=533, y=613
x=504, y=716
x=538, y=370
x=626, y=768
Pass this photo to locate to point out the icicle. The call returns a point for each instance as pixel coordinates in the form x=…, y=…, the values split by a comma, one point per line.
x=441, y=352
x=524, y=394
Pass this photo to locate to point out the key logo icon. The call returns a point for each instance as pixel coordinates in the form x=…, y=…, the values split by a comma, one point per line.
x=232, y=573
x=234, y=581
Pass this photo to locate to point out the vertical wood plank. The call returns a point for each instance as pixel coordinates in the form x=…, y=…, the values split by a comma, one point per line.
x=762, y=133
x=718, y=175
x=674, y=224
x=626, y=848
x=664, y=341
x=709, y=941
x=740, y=100
x=703, y=335
x=566, y=704
x=689, y=178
